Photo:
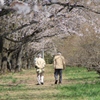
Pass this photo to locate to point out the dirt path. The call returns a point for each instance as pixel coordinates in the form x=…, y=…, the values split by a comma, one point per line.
x=31, y=90
x=29, y=77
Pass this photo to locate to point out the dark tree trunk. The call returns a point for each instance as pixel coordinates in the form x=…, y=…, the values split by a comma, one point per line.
x=1, y=44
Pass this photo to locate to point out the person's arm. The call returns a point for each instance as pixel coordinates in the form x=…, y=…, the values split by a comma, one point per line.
x=37, y=64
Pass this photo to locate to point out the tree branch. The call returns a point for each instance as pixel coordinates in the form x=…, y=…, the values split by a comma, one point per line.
x=19, y=28
x=72, y=6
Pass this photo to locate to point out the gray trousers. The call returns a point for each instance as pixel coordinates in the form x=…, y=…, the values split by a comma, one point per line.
x=58, y=72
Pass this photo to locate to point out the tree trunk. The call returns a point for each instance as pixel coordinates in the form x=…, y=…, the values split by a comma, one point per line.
x=19, y=60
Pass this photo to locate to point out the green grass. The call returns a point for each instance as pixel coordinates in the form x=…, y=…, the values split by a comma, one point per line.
x=80, y=74
x=84, y=86
x=8, y=78
x=78, y=84
x=80, y=92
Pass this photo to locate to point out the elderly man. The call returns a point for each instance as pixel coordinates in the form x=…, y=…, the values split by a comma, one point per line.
x=40, y=65
x=59, y=65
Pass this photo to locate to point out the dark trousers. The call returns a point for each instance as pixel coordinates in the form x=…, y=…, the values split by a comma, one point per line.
x=58, y=72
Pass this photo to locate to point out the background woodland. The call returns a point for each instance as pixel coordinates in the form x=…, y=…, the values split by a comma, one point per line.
x=29, y=27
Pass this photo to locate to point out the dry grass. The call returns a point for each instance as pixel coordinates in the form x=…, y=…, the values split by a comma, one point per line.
x=22, y=86
x=78, y=84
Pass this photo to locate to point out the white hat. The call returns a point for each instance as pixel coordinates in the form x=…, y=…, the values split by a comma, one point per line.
x=59, y=53
x=39, y=55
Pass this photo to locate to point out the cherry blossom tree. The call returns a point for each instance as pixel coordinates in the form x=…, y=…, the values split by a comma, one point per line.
x=28, y=26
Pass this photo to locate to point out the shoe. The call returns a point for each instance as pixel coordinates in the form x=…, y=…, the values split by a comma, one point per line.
x=42, y=83
x=56, y=81
x=60, y=83
x=38, y=84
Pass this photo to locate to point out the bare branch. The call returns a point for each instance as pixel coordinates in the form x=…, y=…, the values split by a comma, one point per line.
x=19, y=28
x=72, y=6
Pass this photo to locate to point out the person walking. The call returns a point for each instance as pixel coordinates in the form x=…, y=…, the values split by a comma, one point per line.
x=59, y=65
x=40, y=65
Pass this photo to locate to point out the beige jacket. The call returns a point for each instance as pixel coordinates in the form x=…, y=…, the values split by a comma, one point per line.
x=59, y=62
x=40, y=63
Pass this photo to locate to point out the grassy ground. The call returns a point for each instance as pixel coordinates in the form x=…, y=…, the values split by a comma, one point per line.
x=82, y=85
x=78, y=84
